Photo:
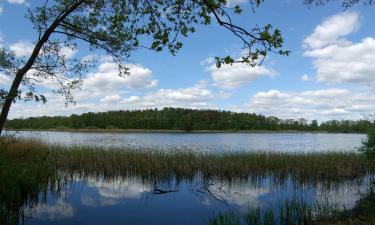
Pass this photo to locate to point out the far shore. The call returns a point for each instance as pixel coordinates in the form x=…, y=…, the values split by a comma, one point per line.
x=99, y=130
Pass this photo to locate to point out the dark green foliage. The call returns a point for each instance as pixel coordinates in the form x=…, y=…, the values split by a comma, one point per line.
x=24, y=174
x=368, y=147
x=182, y=119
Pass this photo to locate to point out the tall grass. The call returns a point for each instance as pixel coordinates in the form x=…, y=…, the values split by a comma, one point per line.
x=24, y=174
x=310, y=167
x=297, y=212
x=305, y=167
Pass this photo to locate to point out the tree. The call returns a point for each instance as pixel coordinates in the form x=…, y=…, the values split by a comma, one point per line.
x=119, y=27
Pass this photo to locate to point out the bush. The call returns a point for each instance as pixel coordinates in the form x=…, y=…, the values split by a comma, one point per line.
x=368, y=147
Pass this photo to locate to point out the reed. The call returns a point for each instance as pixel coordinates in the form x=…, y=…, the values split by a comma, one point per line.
x=148, y=164
x=309, y=167
x=298, y=212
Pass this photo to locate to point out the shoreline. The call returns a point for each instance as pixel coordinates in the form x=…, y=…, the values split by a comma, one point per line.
x=98, y=130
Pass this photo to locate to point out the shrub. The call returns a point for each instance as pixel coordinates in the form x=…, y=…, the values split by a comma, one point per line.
x=368, y=147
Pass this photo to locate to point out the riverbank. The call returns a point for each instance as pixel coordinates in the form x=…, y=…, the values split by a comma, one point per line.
x=97, y=130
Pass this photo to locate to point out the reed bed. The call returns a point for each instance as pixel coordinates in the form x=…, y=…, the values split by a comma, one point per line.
x=308, y=167
x=298, y=212
x=157, y=165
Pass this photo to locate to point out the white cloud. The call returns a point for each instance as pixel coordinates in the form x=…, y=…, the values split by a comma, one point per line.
x=352, y=63
x=339, y=60
x=106, y=79
x=317, y=104
x=68, y=52
x=190, y=97
x=19, y=2
x=131, y=100
x=1, y=9
x=332, y=29
x=305, y=77
x=25, y=48
x=22, y=48
x=4, y=79
x=110, y=99
x=234, y=76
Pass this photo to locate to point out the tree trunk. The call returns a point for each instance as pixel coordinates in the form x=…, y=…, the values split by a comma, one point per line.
x=9, y=99
x=12, y=94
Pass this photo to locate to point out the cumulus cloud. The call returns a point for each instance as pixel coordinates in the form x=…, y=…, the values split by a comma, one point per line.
x=106, y=78
x=332, y=29
x=1, y=9
x=237, y=75
x=316, y=104
x=25, y=48
x=339, y=60
x=22, y=48
x=190, y=97
x=351, y=63
x=110, y=98
x=68, y=52
x=183, y=97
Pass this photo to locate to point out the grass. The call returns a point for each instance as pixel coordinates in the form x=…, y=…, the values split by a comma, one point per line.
x=309, y=167
x=24, y=174
x=304, y=167
x=297, y=212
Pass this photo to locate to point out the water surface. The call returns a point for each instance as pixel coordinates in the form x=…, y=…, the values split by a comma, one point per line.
x=205, y=142
x=121, y=200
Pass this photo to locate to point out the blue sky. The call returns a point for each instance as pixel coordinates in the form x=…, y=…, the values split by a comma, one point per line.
x=330, y=73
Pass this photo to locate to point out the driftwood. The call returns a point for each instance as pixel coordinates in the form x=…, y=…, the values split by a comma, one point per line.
x=158, y=191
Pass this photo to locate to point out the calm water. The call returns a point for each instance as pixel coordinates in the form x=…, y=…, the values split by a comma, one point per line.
x=95, y=200
x=209, y=142
x=131, y=200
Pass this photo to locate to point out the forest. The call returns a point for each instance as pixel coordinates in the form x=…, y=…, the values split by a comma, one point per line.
x=184, y=119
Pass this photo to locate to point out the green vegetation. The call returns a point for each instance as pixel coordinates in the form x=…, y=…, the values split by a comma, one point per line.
x=118, y=28
x=295, y=211
x=24, y=174
x=183, y=119
x=298, y=212
x=368, y=147
x=156, y=165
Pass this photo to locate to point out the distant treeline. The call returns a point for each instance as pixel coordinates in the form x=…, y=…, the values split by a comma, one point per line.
x=183, y=119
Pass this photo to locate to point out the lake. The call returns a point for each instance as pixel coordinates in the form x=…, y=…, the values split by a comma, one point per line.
x=204, y=142
x=97, y=198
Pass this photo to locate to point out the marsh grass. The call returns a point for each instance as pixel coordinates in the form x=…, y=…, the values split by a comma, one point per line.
x=24, y=174
x=298, y=212
x=147, y=164
x=308, y=167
